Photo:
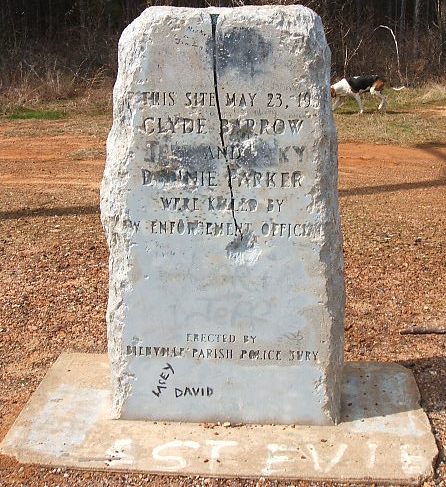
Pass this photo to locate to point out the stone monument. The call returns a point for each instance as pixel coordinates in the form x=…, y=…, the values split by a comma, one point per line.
x=219, y=201
x=220, y=206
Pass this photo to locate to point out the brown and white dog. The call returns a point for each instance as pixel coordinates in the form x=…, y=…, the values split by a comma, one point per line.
x=357, y=85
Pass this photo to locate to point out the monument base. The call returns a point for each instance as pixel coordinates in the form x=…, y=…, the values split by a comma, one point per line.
x=384, y=434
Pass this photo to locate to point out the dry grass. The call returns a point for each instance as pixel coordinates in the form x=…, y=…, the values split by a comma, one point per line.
x=57, y=90
x=414, y=117
x=403, y=128
x=32, y=90
x=432, y=94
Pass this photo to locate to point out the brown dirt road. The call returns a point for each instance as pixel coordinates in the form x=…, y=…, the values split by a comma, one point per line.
x=54, y=269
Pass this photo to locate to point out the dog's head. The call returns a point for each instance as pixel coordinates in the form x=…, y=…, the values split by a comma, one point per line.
x=333, y=92
x=379, y=84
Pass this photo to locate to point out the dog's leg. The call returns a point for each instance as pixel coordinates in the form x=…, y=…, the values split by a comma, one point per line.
x=376, y=89
x=338, y=102
x=358, y=101
x=383, y=104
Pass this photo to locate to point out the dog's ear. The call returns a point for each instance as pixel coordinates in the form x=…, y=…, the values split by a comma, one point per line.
x=333, y=92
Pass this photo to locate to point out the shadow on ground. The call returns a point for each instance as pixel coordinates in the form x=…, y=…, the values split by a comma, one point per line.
x=430, y=374
x=48, y=212
x=434, y=148
x=388, y=188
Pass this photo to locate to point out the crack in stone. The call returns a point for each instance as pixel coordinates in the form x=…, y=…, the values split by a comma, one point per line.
x=214, y=18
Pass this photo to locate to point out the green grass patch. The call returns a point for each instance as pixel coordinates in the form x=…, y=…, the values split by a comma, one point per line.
x=30, y=114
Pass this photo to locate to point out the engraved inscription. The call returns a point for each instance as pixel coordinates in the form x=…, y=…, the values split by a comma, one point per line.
x=302, y=99
x=158, y=171
x=247, y=179
x=231, y=348
x=220, y=205
x=218, y=354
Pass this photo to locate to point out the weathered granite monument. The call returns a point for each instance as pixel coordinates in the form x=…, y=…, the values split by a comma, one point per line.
x=219, y=200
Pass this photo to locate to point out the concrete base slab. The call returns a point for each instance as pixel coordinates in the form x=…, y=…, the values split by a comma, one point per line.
x=384, y=434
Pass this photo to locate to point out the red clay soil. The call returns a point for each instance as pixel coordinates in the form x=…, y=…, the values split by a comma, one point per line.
x=53, y=281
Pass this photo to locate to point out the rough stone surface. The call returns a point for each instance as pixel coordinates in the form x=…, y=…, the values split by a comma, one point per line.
x=384, y=435
x=219, y=201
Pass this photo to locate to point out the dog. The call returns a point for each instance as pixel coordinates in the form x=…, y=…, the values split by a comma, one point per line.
x=355, y=87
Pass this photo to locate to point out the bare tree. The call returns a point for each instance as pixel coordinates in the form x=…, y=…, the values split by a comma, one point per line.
x=441, y=23
x=416, y=26
x=80, y=36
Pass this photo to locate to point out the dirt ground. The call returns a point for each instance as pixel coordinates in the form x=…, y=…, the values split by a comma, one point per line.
x=53, y=281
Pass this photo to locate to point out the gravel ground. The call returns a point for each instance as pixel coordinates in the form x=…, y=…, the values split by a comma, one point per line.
x=54, y=272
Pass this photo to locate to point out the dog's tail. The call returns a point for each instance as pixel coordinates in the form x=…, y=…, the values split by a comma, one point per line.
x=398, y=89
